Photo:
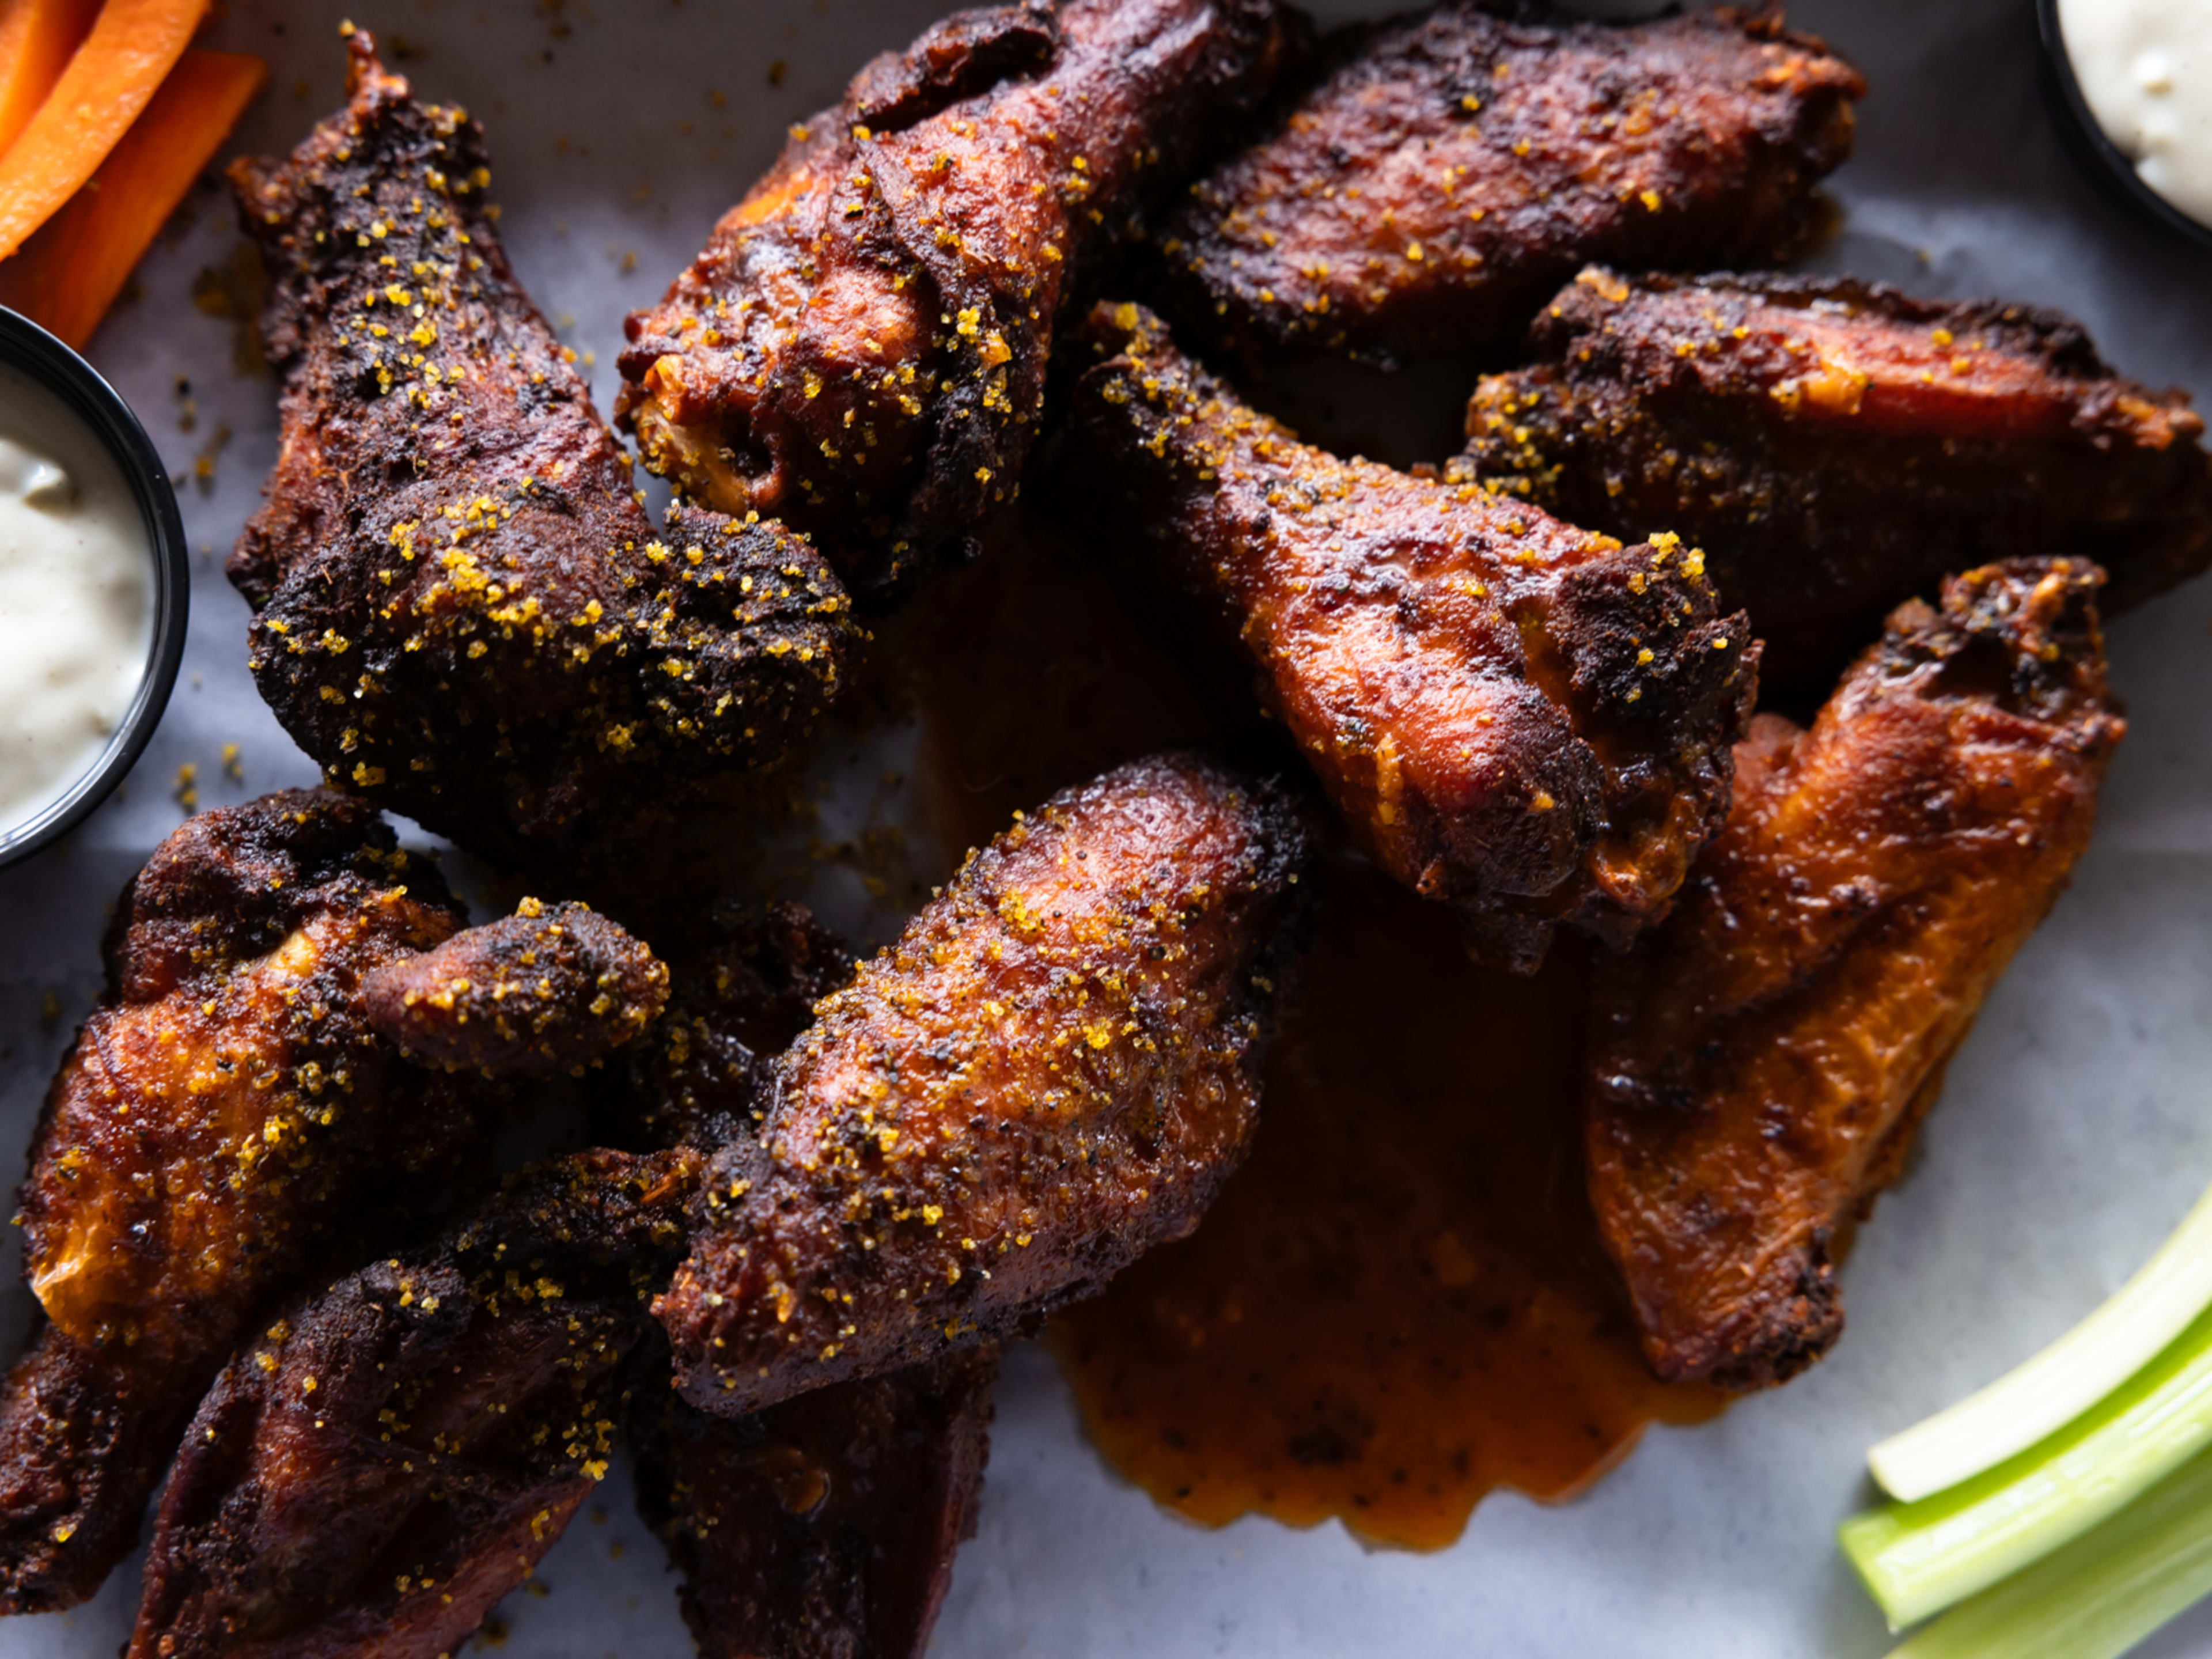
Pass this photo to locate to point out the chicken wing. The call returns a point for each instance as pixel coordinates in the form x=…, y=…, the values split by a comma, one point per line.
x=462, y=609
x=231, y=1109
x=1454, y=166
x=1523, y=720
x=861, y=346
x=396, y=1453
x=1759, y=1063
x=1837, y=447
x=1052, y=1071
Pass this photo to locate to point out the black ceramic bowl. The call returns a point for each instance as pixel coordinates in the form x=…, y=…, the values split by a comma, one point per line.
x=26, y=346
x=2106, y=159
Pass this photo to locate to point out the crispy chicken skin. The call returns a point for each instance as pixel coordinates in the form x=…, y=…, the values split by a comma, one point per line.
x=861, y=346
x=1837, y=447
x=1759, y=1063
x=1454, y=166
x=1525, y=721
x=548, y=989
x=395, y=1453
x=824, y=1527
x=463, y=611
x=1050, y=1071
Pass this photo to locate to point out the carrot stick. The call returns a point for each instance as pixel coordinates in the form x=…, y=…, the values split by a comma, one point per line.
x=69, y=273
x=131, y=46
x=36, y=39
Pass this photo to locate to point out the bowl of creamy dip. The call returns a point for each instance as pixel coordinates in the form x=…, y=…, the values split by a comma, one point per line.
x=2137, y=76
x=94, y=588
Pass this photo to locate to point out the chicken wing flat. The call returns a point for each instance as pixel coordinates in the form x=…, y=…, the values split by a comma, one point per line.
x=1454, y=166
x=1837, y=447
x=824, y=1527
x=396, y=1453
x=1523, y=720
x=861, y=347
x=1759, y=1063
x=230, y=1110
x=462, y=609
x=1050, y=1071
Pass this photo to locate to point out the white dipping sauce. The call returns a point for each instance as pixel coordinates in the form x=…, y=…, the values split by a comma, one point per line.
x=2145, y=69
x=77, y=598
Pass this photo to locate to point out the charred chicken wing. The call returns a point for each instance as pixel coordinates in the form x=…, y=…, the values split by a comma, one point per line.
x=1525, y=721
x=1759, y=1062
x=1052, y=1071
x=233, y=1107
x=462, y=609
x=1837, y=447
x=861, y=347
x=393, y=1455
x=1455, y=166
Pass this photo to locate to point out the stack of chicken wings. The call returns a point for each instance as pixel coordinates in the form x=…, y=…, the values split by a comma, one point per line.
x=275, y=1261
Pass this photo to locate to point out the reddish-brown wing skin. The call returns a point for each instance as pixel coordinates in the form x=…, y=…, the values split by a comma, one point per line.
x=462, y=609
x=225, y=1109
x=543, y=991
x=824, y=1527
x=1759, y=1062
x=861, y=346
x=394, y=1455
x=1455, y=166
x=1837, y=447
x=1519, y=719
x=1052, y=1071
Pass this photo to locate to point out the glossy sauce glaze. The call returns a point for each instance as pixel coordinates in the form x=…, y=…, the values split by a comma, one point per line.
x=1400, y=1302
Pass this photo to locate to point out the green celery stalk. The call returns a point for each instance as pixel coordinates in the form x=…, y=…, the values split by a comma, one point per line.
x=1918, y=1559
x=2098, y=1596
x=2040, y=1397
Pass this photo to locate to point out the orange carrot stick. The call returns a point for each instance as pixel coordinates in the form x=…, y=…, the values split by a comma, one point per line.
x=36, y=39
x=67, y=275
x=131, y=46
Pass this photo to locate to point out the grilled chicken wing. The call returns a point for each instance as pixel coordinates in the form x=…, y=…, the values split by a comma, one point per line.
x=1523, y=720
x=231, y=1108
x=1837, y=447
x=463, y=611
x=861, y=347
x=395, y=1454
x=1052, y=1071
x=1759, y=1063
x=1455, y=166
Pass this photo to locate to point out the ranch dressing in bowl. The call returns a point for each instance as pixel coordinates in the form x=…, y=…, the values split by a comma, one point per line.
x=77, y=598
x=2144, y=69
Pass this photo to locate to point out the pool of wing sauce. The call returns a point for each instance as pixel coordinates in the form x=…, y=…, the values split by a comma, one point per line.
x=1400, y=1302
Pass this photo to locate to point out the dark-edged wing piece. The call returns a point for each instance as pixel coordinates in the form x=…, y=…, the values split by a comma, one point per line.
x=1837, y=447
x=1453, y=166
x=1759, y=1062
x=1523, y=720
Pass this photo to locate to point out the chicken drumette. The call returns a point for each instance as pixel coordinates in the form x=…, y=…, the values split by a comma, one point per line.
x=1759, y=1062
x=1837, y=447
x=1455, y=166
x=1524, y=721
x=234, y=1107
x=1051, y=1072
x=861, y=347
x=463, y=611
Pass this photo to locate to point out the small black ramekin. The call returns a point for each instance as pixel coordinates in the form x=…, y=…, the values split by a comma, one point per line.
x=26, y=346
x=2088, y=140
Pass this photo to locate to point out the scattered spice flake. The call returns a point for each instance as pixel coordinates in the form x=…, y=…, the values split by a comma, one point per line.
x=188, y=790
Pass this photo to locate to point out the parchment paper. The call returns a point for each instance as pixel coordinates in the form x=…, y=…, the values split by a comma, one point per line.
x=2075, y=1131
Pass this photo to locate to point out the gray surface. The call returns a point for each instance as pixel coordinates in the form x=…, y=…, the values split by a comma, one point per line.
x=2074, y=1133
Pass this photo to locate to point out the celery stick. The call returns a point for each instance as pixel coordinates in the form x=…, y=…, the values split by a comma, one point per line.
x=2099, y=1595
x=1918, y=1559
x=2041, y=1396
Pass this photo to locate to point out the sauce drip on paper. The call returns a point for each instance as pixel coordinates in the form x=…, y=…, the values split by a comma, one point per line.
x=1399, y=1303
